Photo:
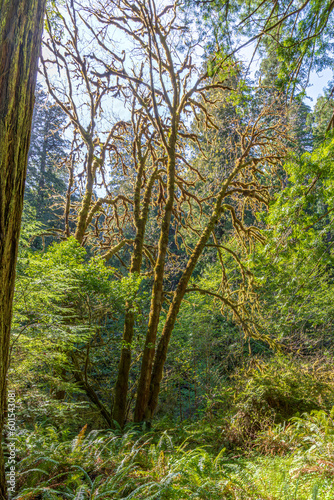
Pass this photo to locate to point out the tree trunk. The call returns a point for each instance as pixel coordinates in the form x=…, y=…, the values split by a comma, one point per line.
x=161, y=353
x=86, y=201
x=157, y=293
x=122, y=383
x=21, y=25
x=174, y=308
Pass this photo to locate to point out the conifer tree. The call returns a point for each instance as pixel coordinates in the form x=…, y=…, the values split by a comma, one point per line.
x=46, y=173
x=21, y=24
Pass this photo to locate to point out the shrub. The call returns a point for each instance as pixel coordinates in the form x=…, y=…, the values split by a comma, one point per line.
x=267, y=393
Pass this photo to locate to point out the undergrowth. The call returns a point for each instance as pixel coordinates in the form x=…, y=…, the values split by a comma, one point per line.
x=267, y=393
x=294, y=461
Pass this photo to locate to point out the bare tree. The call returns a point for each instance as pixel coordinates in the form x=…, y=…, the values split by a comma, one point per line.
x=147, y=167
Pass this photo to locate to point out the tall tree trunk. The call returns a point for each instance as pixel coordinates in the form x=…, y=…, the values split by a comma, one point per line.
x=122, y=383
x=157, y=292
x=161, y=352
x=21, y=25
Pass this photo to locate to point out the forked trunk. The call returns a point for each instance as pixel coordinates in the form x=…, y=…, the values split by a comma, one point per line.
x=157, y=293
x=161, y=353
x=174, y=308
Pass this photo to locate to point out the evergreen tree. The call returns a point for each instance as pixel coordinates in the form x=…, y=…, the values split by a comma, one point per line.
x=46, y=173
x=20, y=40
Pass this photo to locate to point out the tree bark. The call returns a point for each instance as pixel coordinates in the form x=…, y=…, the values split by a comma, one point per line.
x=122, y=382
x=161, y=352
x=86, y=201
x=157, y=293
x=21, y=25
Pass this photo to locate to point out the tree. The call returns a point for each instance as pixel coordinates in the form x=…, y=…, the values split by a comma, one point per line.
x=46, y=173
x=295, y=35
x=20, y=41
x=64, y=302
x=162, y=185
x=296, y=269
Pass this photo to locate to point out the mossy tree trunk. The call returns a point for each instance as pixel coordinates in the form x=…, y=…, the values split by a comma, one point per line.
x=157, y=291
x=21, y=25
x=141, y=217
x=161, y=352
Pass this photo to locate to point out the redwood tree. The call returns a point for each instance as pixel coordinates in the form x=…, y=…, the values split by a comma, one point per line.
x=21, y=25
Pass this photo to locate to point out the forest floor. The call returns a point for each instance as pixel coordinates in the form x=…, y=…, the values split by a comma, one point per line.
x=294, y=461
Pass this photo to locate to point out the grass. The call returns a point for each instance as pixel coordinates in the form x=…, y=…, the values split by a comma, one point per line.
x=110, y=465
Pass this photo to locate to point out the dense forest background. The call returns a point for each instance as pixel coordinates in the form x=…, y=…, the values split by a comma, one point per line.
x=172, y=333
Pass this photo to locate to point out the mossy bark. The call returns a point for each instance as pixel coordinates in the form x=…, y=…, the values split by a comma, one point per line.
x=162, y=348
x=161, y=353
x=157, y=292
x=86, y=202
x=21, y=25
x=122, y=382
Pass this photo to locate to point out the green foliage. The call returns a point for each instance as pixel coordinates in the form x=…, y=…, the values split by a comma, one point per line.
x=294, y=268
x=46, y=172
x=65, y=303
x=297, y=37
x=206, y=345
x=271, y=392
x=53, y=288
x=158, y=466
x=224, y=393
x=30, y=227
x=311, y=434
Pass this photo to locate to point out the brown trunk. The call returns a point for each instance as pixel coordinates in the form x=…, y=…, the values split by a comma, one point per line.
x=21, y=24
x=90, y=393
x=174, y=308
x=122, y=383
x=157, y=292
x=86, y=202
